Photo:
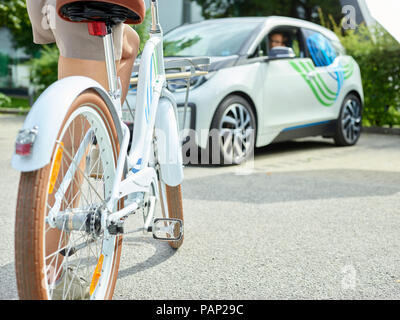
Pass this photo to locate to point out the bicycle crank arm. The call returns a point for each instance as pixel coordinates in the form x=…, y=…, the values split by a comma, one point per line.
x=115, y=217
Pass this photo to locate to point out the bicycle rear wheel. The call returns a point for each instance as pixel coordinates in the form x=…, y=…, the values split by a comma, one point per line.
x=70, y=261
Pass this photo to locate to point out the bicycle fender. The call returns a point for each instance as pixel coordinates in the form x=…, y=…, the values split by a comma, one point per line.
x=48, y=114
x=169, y=148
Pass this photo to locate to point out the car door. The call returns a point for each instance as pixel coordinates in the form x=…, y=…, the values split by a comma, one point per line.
x=286, y=92
x=322, y=73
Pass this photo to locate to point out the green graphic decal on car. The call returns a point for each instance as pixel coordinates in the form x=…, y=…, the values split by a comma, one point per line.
x=348, y=69
x=321, y=90
x=324, y=94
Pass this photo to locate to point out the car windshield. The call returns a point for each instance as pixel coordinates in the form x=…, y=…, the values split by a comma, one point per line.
x=211, y=38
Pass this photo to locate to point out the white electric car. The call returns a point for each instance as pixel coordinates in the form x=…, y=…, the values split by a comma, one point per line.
x=256, y=94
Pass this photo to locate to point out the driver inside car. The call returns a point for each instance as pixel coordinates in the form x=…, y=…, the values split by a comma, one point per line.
x=277, y=39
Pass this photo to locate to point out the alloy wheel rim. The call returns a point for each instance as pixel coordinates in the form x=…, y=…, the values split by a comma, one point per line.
x=351, y=121
x=236, y=132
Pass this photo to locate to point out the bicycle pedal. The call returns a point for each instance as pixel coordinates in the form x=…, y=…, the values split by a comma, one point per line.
x=167, y=229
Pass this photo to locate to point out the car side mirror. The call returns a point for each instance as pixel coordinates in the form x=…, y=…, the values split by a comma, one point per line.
x=277, y=53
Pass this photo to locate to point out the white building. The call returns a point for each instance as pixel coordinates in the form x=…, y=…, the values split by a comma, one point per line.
x=174, y=13
x=16, y=75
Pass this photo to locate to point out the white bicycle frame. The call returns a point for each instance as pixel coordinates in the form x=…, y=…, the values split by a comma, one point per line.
x=151, y=90
x=140, y=174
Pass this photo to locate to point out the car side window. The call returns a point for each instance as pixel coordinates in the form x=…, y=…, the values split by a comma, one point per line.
x=320, y=49
x=261, y=50
x=281, y=36
x=288, y=37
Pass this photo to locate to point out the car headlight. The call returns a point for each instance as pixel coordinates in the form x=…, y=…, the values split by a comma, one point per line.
x=195, y=82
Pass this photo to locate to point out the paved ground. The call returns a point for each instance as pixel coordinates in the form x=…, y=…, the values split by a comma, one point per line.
x=309, y=221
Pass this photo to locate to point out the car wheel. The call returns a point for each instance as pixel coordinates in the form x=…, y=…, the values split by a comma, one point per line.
x=349, y=124
x=233, y=131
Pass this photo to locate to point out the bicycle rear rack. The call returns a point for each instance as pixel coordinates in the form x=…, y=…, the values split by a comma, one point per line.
x=189, y=68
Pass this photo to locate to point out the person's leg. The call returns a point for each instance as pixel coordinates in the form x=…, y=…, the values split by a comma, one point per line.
x=130, y=49
x=97, y=69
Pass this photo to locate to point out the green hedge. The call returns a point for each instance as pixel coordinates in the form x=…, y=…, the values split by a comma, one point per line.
x=44, y=70
x=378, y=55
x=5, y=102
x=381, y=79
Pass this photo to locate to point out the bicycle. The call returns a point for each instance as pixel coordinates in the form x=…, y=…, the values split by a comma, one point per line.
x=79, y=184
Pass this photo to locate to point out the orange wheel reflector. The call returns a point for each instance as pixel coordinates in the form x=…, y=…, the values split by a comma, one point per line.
x=56, y=167
x=96, y=274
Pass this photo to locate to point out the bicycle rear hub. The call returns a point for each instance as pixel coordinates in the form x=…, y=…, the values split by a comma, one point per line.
x=80, y=220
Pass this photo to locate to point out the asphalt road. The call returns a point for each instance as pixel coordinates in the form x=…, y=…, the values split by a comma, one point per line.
x=308, y=221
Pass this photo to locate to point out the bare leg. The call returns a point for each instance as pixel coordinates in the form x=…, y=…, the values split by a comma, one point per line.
x=130, y=51
x=97, y=69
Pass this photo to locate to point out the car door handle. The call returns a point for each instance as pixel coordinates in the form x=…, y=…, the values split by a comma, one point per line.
x=311, y=75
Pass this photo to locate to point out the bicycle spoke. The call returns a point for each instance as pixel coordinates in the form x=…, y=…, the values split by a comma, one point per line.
x=84, y=176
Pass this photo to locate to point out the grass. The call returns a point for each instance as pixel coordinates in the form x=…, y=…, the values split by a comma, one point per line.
x=20, y=103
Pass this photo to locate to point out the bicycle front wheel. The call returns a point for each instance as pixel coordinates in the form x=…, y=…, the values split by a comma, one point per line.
x=71, y=257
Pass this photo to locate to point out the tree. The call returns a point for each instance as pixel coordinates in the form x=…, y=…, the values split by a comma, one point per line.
x=14, y=16
x=303, y=9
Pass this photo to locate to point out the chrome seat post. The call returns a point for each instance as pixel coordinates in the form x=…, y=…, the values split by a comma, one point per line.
x=155, y=26
x=111, y=66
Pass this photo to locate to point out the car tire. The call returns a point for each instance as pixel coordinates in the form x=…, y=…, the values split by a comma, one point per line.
x=349, y=124
x=233, y=132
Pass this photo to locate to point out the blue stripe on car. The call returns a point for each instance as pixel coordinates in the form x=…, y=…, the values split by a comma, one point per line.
x=306, y=126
